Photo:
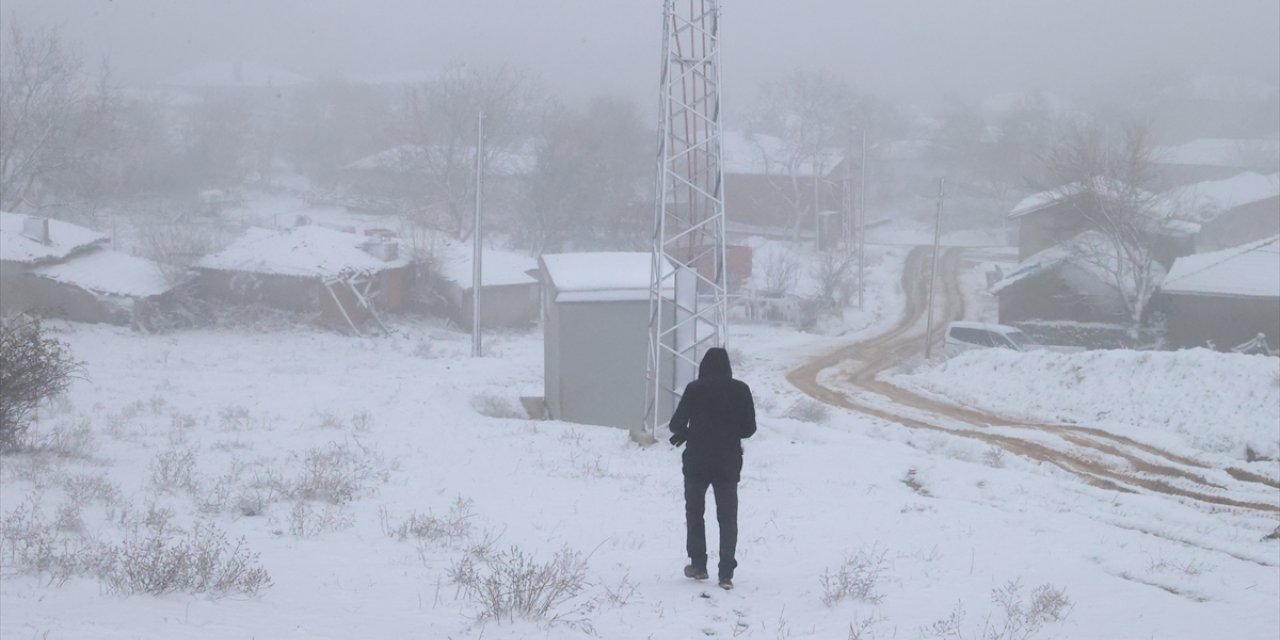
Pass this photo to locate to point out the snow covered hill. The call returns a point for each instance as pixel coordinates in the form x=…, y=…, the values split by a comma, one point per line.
x=1199, y=399
x=374, y=478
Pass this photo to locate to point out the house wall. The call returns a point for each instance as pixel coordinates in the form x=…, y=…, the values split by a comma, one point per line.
x=22, y=292
x=1227, y=321
x=1048, y=227
x=597, y=363
x=510, y=306
x=1048, y=296
x=282, y=292
x=772, y=200
x=1243, y=224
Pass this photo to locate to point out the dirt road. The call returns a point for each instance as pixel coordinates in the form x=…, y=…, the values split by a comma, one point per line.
x=848, y=378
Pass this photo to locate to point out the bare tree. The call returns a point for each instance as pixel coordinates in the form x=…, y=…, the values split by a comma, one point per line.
x=1103, y=172
x=810, y=113
x=590, y=186
x=50, y=112
x=440, y=119
x=816, y=116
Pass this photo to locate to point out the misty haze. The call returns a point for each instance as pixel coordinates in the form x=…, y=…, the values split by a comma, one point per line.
x=640, y=319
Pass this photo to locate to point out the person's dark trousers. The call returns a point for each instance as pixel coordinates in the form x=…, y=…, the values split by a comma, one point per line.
x=695, y=503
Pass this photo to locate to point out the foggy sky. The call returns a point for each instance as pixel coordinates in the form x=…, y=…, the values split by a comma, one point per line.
x=903, y=49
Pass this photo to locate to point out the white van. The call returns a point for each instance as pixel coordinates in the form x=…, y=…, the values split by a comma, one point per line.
x=965, y=336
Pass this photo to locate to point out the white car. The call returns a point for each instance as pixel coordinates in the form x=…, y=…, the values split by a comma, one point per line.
x=965, y=336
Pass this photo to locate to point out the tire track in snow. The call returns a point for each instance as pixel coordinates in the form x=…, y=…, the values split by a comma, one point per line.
x=1142, y=466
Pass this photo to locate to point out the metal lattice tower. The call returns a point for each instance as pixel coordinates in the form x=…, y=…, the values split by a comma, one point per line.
x=687, y=293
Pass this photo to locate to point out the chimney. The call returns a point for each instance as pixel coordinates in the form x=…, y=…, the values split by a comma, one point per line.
x=37, y=229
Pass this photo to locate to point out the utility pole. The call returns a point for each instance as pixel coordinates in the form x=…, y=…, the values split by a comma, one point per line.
x=477, y=246
x=933, y=271
x=862, y=218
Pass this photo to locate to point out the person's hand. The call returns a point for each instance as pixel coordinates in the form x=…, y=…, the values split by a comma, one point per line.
x=676, y=439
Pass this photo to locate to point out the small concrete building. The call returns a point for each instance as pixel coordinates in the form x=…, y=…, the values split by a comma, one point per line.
x=596, y=324
x=508, y=291
x=1224, y=298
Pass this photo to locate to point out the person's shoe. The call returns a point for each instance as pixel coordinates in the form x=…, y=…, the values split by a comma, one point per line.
x=726, y=583
x=697, y=573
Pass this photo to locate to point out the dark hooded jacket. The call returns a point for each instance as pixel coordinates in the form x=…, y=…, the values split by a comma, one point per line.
x=713, y=416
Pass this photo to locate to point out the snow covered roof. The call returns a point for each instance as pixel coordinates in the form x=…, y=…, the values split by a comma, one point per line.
x=499, y=268
x=64, y=239
x=760, y=154
x=601, y=276
x=1089, y=253
x=1205, y=201
x=412, y=157
x=1220, y=152
x=235, y=74
x=1251, y=270
x=1160, y=210
x=1034, y=265
x=109, y=272
x=306, y=251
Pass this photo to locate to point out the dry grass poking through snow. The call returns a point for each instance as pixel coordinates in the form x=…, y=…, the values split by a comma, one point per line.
x=1015, y=619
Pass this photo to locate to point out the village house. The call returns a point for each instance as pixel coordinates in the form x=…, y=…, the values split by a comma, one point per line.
x=58, y=269
x=509, y=291
x=1224, y=299
x=346, y=278
x=1207, y=159
x=1232, y=211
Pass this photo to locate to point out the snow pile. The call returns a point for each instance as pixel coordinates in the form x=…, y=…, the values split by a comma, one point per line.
x=1214, y=402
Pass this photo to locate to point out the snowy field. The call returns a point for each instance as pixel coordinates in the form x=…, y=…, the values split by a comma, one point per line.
x=366, y=474
x=1195, y=400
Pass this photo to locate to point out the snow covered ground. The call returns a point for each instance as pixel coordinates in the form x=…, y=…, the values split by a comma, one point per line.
x=230, y=429
x=1209, y=402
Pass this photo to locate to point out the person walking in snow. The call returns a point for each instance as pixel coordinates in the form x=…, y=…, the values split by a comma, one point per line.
x=715, y=413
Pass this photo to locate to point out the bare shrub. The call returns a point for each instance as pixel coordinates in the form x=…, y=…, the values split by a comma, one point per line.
x=175, y=247
x=781, y=271
x=620, y=595
x=1017, y=619
x=308, y=521
x=452, y=527
x=68, y=439
x=513, y=584
x=326, y=420
x=336, y=473
x=175, y=470
x=84, y=488
x=32, y=545
x=855, y=579
x=808, y=410
x=495, y=406
x=34, y=367
x=234, y=418
x=203, y=560
x=994, y=457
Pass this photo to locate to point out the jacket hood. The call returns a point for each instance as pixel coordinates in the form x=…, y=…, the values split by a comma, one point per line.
x=715, y=363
